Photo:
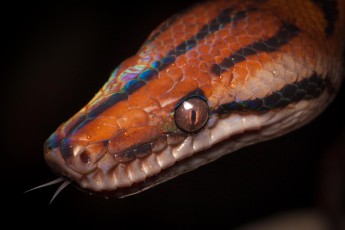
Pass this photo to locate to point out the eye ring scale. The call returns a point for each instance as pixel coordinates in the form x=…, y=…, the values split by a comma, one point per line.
x=192, y=114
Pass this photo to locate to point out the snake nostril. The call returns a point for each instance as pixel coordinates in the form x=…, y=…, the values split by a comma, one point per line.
x=80, y=155
x=85, y=158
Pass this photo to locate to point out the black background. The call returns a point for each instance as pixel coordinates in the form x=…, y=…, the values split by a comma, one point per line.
x=57, y=56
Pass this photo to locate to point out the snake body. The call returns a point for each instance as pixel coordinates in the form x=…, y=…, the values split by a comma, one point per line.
x=214, y=78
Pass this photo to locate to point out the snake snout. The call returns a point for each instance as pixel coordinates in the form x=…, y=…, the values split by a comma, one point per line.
x=72, y=157
x=82, y=156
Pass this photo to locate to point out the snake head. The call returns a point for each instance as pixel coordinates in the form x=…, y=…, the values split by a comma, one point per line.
x=213, y=79
x=129, y=141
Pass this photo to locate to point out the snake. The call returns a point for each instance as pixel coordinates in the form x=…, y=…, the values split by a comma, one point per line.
x=216, y=77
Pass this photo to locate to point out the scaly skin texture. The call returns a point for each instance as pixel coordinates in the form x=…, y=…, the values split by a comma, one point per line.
x=262, y=66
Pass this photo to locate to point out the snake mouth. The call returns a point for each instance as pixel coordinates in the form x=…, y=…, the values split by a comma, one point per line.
x=55, y=160
x=160, y=175
x=143, y=166
x=108, y=170
x=172, y=154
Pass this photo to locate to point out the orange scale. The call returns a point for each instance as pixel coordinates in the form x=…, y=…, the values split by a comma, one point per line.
x=189, y=31
x=210, y=66
x=133, y=136
x=240, y=30
x=179, y=90
x=219, y=59
x=143, y=101
x=174, y=73
x=203, y=49
x=181, y=61
x=193, y=62
x=301, y=51
x=192, y=54
x=207, y=42
x=245, y=25
x=158, y=87
x=240, y=73
x=241, y=64
x=177, y=27
x=165, y=48
x=253, y=67
x=179, y=35
x=222, y=33
x=167, y=40
x=226, y=77
x=133, y=118
x=207, y=58
x=207, y=89
x=202, y=19
x=95, y=149
x=191, y=70
x=299, y=41
x=218, y=89
x=252, y=58
x=215, y=52
x=246, y=40
x=116, y=110
x=264, y=58
x=203, y=66
x=231, y=42
x=277, y=57
x=225, y=52
x=99, y=129
x=254, y=30
x=189, y=20
x=203, y=78
x=219, y=44
x=270, y=29
x=156, y=116
x=153, y=105
x=136, y=100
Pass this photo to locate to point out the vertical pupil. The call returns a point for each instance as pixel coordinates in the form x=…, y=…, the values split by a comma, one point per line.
x=192, y=114
x=193, y=117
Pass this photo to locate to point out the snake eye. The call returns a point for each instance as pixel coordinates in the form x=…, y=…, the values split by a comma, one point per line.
x=192, y=114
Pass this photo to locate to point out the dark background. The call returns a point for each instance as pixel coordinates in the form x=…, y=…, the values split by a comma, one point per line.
x=57, y=56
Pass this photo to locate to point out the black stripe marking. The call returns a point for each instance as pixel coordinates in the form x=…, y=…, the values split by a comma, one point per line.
x=130, y=154
x=283, y=36
x=305, y=89
x=330, y=11
x=215, y=25
x=113, y=99
x=132, y=86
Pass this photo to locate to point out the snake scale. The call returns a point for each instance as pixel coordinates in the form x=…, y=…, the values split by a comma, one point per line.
x=216, y=77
